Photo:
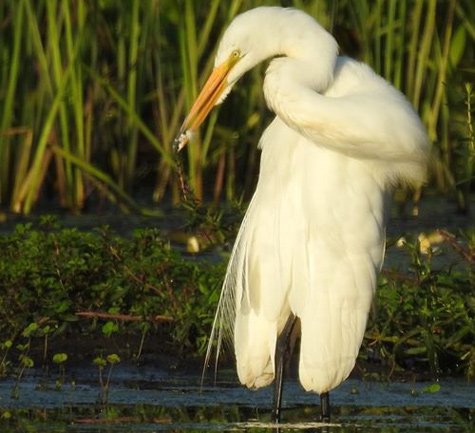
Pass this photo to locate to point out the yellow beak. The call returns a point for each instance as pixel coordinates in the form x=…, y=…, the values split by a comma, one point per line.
x=206, y=100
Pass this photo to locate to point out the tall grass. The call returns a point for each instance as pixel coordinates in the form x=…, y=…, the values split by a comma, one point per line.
x=424, y=49
x=93, y=93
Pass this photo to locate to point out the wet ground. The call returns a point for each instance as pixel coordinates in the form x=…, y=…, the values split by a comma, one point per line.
x=145, y=399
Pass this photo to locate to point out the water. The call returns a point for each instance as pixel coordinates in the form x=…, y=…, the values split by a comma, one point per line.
x=144, y=399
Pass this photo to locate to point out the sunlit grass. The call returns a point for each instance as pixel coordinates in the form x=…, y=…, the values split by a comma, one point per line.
x=108, y=84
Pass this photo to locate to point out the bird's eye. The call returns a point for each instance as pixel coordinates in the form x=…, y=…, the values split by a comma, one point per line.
x=236, y=54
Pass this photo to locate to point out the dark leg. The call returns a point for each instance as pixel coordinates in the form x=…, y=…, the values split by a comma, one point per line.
x=325, y=407
x=282, y=354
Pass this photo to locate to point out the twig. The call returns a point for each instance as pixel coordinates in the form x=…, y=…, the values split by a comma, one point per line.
x=390, y=273
x=123, y=317
x=187, y=193
x=467, y=253
x=121, y=419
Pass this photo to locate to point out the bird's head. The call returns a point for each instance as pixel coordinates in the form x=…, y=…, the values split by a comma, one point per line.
x=238, y=52
x=252, y=37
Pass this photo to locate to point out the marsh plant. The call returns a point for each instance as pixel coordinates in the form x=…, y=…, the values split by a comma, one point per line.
x=57, y=281
x=105, y=363
x=92, y=93
x=425, y=317
x=25, y=361
x=60, y=359
x=59, y=284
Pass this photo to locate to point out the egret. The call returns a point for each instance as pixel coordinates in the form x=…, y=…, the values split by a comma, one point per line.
x=313, y=238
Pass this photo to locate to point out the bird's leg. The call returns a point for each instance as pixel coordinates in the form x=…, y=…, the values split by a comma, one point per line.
x=282, y=353
x=325, y=407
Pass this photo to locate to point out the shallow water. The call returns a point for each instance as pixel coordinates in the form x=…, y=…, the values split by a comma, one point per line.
x=144, y=399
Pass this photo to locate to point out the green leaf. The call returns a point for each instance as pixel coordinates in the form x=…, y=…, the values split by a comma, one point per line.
x=110, y=328
x=432, y=389
x=7, y=344
x=113, y=358
x=457, y=45
x=26, y=361
x=99, y=361
x=59, y=358
x=32, y=327
x=62, y=306
x=6, y=414
x=416, y=350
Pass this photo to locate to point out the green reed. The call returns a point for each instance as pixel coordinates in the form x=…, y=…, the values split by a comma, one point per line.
x=423, y=49
x=467, y=171
x=10, y=54
x=92, y=94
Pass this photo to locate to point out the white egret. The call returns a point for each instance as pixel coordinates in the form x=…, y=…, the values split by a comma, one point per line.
x=312, y=241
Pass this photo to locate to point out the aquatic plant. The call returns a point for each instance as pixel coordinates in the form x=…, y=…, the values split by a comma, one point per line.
x=424, y=316
x=102, y=362
x=60, y=359
x=51, y=276
x=60, y=284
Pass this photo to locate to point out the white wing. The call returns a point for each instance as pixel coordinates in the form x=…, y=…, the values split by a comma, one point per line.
x=360, y=115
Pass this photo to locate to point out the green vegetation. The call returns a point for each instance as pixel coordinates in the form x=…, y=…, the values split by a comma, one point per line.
x=61, y=284
x=92, y=93
x=102, y=363
x=426, y=317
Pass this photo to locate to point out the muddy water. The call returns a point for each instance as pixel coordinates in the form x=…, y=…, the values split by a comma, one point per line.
x=144, y=399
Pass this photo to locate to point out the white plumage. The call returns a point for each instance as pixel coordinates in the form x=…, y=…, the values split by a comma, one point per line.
x=312, y=241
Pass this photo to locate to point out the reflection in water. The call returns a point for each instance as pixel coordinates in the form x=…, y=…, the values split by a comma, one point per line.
x=144, y=401
x=141, y=419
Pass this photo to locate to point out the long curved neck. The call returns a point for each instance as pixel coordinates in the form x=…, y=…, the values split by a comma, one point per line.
x=313, y=49
x=298, y=37
x=310, y=55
